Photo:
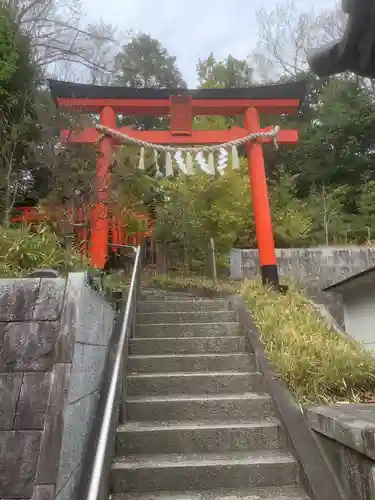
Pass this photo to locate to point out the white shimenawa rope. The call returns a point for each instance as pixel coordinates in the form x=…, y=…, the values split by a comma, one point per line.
x=204, y=149
x=183, y=155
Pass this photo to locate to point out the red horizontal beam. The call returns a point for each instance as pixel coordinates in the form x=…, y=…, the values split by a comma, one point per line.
x=161, y=107
x=91, y=135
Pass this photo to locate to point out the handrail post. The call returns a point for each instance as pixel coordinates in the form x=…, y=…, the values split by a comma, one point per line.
x=122, y=392
x=136, y=294
x=134, y=314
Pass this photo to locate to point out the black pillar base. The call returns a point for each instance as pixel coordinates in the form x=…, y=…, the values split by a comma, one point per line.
x=270, y=277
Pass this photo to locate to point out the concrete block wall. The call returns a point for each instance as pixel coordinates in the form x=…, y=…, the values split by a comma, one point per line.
x=321, y=266
x=346, y=433
x=53, y=334
x=312, y=268
x=91, y=319
x=33, y=384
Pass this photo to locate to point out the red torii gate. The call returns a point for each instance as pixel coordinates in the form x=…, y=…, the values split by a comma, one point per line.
x=182, y=106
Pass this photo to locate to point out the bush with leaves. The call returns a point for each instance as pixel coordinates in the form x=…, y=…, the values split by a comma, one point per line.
x=23, y=250
x=202, y=207
x=292, y=217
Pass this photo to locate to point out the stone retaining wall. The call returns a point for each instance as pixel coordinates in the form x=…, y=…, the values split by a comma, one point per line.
x=51, y=356
x=347, y=435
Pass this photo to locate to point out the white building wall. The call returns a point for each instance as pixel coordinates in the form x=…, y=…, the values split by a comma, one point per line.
x=359, y=314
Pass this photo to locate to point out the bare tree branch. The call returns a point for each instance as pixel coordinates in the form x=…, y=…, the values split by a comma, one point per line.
x=57, y=34
x=285, y=34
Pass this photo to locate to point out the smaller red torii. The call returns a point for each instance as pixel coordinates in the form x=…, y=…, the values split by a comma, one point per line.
x=118, y=225
x=182, y=106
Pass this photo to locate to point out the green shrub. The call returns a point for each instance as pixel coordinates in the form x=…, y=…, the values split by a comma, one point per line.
x=22, y=251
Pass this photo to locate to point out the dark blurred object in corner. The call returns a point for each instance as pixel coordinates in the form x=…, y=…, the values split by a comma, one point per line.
x=356, y=50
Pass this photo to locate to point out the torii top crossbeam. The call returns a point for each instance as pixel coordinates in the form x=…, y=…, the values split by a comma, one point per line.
x=269, y=99
x=182, y=106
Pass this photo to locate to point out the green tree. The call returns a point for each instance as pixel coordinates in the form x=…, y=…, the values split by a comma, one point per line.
x=363, y=222
x=133, y=190
x=229, y=73
x=18, y=127
x=291, y=217
x=202, y=207
x=331, y=222
x=8, y=50
x=145, y=63
x=337, y=141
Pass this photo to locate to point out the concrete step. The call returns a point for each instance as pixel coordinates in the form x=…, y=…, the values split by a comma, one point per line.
x=193, y=383
x=159, y=295
x=142, y=473
x=218, y=407
x=186, y=305
x=198, y=437
x=271, y=493
x=188, y=330
x=186, y=317
x=224, y=345
x=150, y=290
x=159, y=363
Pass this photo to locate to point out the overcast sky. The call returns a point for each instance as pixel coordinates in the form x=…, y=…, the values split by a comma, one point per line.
x=191, y=29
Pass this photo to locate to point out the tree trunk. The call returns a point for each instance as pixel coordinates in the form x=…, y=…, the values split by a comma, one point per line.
x=7, y=205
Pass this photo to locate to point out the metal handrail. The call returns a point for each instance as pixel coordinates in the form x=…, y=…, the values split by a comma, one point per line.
x=130, y=310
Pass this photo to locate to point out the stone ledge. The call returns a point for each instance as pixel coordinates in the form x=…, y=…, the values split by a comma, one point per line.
x=29, y=346
x=32, y=403
x=49, y=301
x=10, y=386
x=349, y=424
x=19, y=452
x=18, y=298
x=27, y=299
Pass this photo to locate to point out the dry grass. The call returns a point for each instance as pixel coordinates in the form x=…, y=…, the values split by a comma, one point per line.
x=318, y=364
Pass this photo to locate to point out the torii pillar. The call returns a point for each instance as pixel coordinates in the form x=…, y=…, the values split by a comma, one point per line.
x=261, y=205
x=99, y=221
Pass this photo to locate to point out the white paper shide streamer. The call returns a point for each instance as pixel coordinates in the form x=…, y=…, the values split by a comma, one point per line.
x=190, y=164
x=186, y=162
x=158, y=173
x=235, y=159
x=204, y=156
x=141, y=164
x=223, y=161
x=181, y=162
x=202, y=162
x=168, y=165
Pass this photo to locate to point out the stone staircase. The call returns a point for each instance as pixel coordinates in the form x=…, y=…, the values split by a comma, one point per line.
x=199, y=424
